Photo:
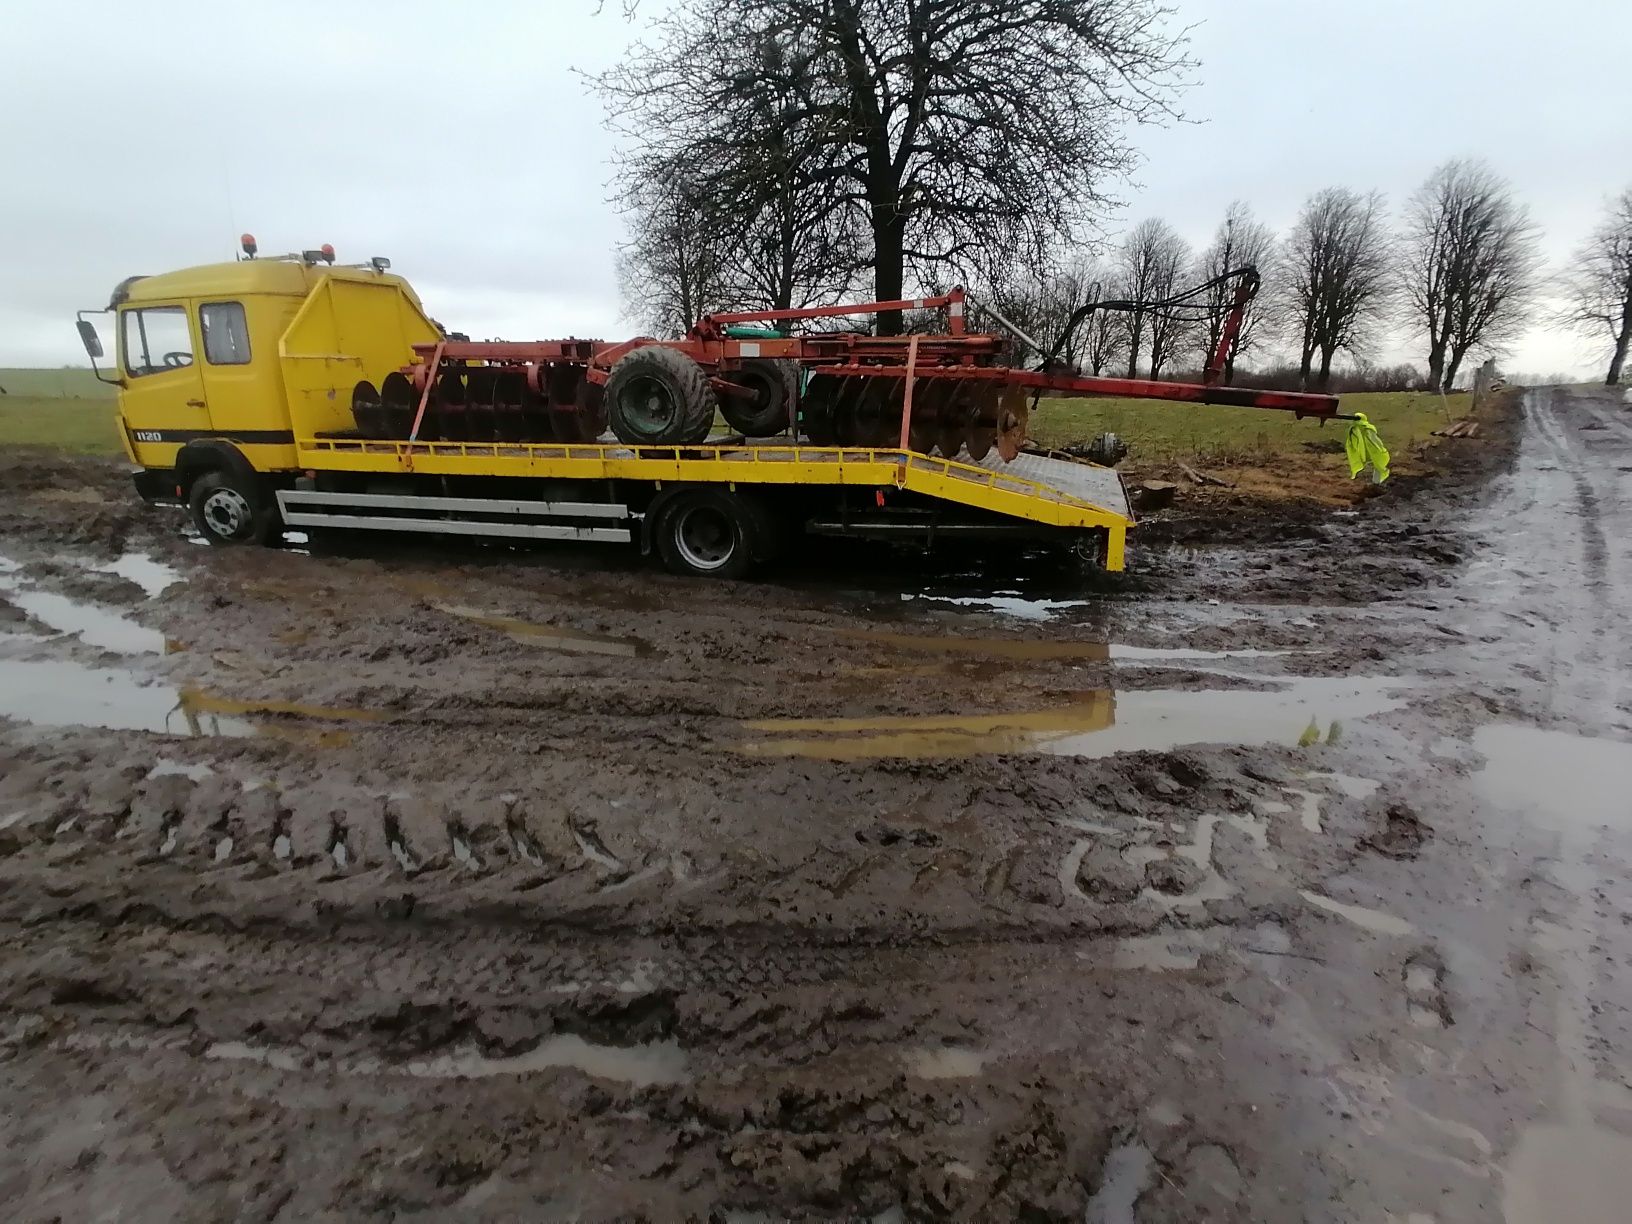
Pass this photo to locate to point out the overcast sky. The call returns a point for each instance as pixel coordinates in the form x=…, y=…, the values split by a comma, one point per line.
x=141, y=137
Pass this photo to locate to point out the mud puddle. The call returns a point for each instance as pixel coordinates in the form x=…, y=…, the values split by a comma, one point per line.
x=153, y=576
x=642, y=1065
x=1042, y=651
x=551, y=637
x=59, y=693
x=1128, y=1168
x=1573, y=786
x=1006, y=603
x=1096, y=723
x=657, y=1062
x=1555, y=779
x=1585, y=1167
x=1368, y=919
x=95, y=626
x=1160, y=953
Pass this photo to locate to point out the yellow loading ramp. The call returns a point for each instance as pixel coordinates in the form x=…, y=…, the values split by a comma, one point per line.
x=1041, y=489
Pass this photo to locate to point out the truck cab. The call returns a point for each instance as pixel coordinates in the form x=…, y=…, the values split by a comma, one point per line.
x=218, y=366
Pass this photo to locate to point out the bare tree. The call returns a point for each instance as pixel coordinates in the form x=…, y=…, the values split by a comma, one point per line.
x=1598, y=285
x=1240, y=241
x=957, y=131
x=1334, y=271
x=793, y=253
x=1041, y=301
x=1468, y=264
x=1170, y=329
x=1148, y=266
x=672, y=269
x=788, y=239
x=1104, y=338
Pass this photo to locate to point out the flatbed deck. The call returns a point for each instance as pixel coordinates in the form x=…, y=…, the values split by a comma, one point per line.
x=1037, y=488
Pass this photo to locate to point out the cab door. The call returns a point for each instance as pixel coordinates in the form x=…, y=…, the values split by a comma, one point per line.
x=163, y=402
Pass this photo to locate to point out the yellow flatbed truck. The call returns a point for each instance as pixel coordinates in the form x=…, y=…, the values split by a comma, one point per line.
x=245, y=389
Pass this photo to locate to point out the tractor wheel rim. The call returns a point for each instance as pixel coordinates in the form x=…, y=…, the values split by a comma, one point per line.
x=704, y=537
x=227, y=512
x=652, y=404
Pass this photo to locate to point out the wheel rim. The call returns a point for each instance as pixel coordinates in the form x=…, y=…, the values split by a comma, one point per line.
x=227, y=513
x=705, y=537
x=649, y=404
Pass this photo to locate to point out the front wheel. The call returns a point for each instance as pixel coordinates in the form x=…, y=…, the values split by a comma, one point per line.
x=228, y=510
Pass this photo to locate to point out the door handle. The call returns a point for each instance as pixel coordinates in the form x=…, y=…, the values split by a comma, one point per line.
x=195, y=403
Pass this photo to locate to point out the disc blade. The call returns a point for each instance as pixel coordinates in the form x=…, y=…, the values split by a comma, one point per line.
x=983, y=421
x=1013, y=415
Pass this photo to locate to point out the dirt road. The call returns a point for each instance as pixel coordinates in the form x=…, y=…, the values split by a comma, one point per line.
x=545, y=886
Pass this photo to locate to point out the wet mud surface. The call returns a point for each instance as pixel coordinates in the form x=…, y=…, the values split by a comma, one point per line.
x=1283, y=878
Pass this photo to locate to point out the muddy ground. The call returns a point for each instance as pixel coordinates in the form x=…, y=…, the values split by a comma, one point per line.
x=1283, y=878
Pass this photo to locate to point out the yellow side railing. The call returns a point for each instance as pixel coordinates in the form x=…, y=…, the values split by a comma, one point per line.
x=776, y=455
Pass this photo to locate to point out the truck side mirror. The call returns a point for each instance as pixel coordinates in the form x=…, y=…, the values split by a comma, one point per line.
x=89, y=338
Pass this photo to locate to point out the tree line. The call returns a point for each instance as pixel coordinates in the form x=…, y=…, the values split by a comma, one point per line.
x=785, y=153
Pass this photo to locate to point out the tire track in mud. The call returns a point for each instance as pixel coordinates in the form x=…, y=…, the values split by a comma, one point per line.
x=1564, y=560
x=786, y=1091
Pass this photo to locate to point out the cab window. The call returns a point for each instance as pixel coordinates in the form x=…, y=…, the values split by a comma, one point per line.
x=156, y=339
x=226, y=338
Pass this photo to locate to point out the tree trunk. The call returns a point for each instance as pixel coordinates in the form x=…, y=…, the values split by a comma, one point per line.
x=1303, y=368
x=1229, y=366
x=1623, y=339
x=1617, y=363
x=1136, y=333
x=1325, y=378
x=1451, y=367
x=1436, y=366
x=889, y=266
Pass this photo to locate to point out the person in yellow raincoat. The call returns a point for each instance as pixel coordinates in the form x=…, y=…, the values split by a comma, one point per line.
x=1365, y=447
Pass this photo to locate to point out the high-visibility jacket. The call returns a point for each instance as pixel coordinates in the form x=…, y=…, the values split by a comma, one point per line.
x=1365, y=446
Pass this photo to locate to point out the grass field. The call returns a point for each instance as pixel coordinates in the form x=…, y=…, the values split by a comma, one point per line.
x=83, y=426
x=65, y=409
x=72, y=383
x=1155, y=430
x=69, y=410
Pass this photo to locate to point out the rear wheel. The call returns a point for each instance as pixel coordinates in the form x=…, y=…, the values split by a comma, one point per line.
x=230, y=510
x=706, y=534
x=775, y=385
x=657, y=396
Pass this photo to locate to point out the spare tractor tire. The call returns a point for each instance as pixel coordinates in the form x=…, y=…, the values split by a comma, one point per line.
x=775, y=384
x=658, y=396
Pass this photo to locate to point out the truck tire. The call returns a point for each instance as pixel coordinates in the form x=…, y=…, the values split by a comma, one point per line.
x=228, y=509
x=775, y=385
x=706, y=533
x=658, y=396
